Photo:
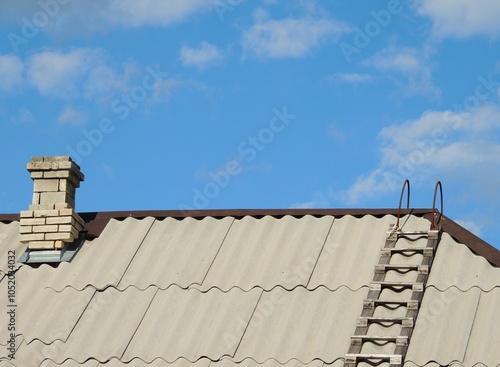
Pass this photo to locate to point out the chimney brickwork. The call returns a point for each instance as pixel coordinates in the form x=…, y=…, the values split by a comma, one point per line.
x=51, y=221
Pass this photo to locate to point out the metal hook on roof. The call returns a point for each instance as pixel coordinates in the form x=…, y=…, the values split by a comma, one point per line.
x=406, y=183
x=434, y=223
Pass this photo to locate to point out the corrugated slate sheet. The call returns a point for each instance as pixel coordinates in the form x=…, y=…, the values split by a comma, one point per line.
x=242, y=291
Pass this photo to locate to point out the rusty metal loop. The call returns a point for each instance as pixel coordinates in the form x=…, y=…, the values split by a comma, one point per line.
x=406, y=183
x=434, y=223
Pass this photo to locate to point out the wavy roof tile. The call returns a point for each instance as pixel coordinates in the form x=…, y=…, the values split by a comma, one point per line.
x=247, y=289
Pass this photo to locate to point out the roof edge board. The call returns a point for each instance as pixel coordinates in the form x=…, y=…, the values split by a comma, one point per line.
x=469, y=239
x=7, y=218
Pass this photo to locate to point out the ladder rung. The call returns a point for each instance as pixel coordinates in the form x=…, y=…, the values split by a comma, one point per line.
x=391, y=231
x=433, y=233
x=412, y=233
x=378, y=286
x=372, y=303
x=382, y=268
x=365, y=321
x=360, y=339
x=426, y=251
x=393, y=359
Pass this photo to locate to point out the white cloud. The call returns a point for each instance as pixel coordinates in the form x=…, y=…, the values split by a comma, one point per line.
x=109, y=171
x=57, y=74
x=82, y=17
x=24, y=117
x=404, y=60
x=66, y=74
x=103, y=81
x=304, y=205
x=371, y=185
x=438, y=144
x=165, y=88
x=470, y=225
x=152, y=12
x=335, y=132
x=289, y=38
x=11, y=72
x=320, y=200
x=81, y=72
x=411, y=63
x=461, y=154
x=462, y=18
x=351, y=78
x=70, y=116
x=14, y=10
x=433, y=127
x=200, y=57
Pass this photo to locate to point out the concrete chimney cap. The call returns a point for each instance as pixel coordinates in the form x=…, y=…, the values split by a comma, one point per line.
x=54, y=163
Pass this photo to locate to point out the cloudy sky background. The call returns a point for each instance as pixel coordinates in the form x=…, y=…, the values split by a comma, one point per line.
x=256, y=104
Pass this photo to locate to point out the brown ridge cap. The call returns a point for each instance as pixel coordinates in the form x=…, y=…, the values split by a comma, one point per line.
x=97, y=221
x=8, y=218
x=469, y=239
x=219, y=213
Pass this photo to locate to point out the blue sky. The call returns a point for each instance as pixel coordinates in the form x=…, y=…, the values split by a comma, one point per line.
x=256, y=104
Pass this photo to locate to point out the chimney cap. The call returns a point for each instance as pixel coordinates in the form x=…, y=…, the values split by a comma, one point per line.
x=53, y=163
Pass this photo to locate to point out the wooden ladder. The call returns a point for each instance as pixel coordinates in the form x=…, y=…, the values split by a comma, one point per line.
x=373, y=300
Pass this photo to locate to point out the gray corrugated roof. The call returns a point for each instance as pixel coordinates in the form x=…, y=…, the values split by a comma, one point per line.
x=243, y=291
x=192, y=243
x=265, y=252
x=9, y=239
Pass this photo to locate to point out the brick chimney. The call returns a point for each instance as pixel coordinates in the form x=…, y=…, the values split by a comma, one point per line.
x=51, y=221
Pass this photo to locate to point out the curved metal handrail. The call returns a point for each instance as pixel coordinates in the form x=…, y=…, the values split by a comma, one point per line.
x=406, y=183
x=434, y=224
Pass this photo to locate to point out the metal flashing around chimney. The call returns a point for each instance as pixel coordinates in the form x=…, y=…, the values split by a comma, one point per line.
x=51, y=227
x=52, y=256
